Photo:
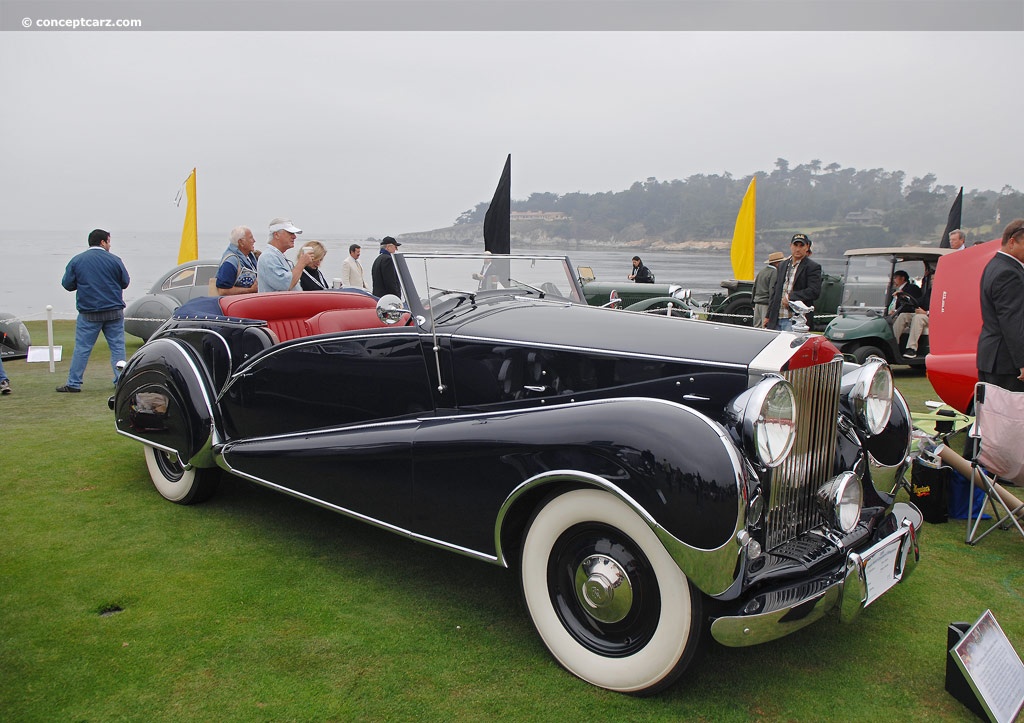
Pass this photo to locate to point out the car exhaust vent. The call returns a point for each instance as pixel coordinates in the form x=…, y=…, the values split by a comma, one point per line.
x=793, y=508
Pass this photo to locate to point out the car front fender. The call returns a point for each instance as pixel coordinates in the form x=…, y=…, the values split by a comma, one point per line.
x=675, y=467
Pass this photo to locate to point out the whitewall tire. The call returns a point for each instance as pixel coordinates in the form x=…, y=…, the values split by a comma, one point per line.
x=177, y=484
x=605, y=596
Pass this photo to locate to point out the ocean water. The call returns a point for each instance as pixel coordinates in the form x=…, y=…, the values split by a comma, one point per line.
x=32, y=264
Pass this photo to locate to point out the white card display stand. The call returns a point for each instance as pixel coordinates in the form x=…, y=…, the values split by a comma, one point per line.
x=42, y=353
x=983, y=671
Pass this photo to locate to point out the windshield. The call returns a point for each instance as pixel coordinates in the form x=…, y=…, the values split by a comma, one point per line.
x=440, y=277
x=867, y=282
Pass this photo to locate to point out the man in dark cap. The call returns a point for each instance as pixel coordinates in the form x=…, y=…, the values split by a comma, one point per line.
x=383, y=272
x=799, y=279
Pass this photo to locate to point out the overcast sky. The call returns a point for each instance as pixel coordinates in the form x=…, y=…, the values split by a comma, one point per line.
x=368, y=134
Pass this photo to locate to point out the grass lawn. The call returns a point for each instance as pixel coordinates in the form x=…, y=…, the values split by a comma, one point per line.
x=117, y=605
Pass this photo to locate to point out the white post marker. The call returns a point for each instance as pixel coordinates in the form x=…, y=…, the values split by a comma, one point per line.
x=49, y=334
x=50, y=352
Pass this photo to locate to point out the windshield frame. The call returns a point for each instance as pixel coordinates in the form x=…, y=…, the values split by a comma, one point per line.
x=417, y=270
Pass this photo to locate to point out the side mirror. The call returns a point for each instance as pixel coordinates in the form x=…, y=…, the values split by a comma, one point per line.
x=390, y=309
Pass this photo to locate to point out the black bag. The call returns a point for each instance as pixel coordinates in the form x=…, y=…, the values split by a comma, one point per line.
x=928, y=487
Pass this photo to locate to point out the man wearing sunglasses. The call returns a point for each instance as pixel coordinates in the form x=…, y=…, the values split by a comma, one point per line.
x=799, y=279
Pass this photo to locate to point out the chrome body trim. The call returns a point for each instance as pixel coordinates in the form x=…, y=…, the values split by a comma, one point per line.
x=146, y=441
x=200, y=377
x=359, y=516
x=169, y=333
x=320, y=339
x=617, y=353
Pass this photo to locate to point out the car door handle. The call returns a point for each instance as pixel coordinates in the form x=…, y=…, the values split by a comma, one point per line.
x=534, y=388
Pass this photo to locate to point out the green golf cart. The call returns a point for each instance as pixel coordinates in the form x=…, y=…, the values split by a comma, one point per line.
x=861, y=328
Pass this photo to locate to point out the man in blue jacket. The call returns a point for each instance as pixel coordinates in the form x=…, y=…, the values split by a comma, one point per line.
x=99, y=278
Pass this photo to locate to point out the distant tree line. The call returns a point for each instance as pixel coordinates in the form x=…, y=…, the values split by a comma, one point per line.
x=854, y=207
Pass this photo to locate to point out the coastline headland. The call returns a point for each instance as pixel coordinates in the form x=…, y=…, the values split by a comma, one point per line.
x=471, y=236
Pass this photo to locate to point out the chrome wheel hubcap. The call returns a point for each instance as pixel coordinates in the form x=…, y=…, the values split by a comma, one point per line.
x=604, y=589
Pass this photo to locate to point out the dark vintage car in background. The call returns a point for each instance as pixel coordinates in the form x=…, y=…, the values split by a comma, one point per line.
x=14, y=337
x=649, y=478
x=190, y=280
x=734, y=305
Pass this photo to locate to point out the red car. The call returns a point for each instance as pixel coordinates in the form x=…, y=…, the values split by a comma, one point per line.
x=955, y=323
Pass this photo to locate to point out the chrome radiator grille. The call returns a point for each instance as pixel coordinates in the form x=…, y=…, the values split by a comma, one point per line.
x=792, y=508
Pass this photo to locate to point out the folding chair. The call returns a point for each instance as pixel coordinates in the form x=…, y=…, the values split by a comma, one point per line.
x=999, y=419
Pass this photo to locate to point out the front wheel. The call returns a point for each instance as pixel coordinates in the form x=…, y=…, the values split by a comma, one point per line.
x=606, y=598
x=177, y=484
x=861, y=353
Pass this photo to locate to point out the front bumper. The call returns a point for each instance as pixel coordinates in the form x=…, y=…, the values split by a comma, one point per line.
x=863, y=578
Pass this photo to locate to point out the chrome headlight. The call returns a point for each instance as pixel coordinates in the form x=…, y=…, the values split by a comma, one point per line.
x=840, y=500
x=870, y=390
x=766, y=418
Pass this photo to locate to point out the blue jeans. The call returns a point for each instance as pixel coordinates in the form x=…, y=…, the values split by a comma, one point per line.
x=86, y=334
x=3, y=375
x=785, y=325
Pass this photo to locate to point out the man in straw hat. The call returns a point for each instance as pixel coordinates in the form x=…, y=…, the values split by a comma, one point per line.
x=764, y=282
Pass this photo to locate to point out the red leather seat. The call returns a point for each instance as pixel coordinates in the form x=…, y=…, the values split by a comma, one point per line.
x=327, y=322
x=286, y=312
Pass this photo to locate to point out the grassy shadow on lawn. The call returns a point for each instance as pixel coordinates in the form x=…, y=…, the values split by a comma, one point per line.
x=255, y=606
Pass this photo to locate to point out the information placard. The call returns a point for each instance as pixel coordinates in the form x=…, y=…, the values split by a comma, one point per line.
x=42, y=353
x=992, y=668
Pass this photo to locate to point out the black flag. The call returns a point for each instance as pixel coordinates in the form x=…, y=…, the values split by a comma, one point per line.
x=953, y=222
x=498, y=219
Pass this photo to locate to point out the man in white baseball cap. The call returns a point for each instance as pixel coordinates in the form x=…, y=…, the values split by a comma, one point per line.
x=274, y=270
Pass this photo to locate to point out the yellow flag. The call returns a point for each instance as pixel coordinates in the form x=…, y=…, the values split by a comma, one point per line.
x=742, y=254
x=190, y=233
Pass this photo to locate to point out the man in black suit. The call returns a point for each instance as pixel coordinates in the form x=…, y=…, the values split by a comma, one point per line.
x=1001, y=343
x=383, y=271
x=799, y=279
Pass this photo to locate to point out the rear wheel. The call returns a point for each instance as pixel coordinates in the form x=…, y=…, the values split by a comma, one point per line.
x=605, y=596
x=177, y=484
x=741, y=312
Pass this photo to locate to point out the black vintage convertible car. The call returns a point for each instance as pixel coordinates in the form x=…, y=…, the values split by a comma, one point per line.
x=650, y=478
